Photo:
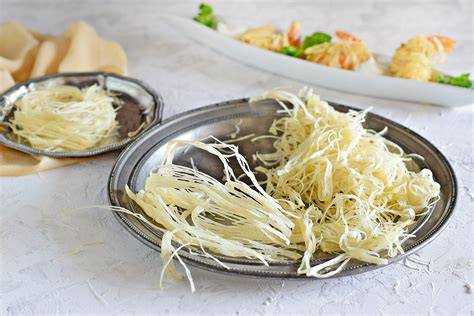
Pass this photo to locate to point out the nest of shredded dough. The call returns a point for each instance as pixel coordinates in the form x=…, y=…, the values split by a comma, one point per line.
x=345, y=54
x=65, y=118
x=416, y=58
x=331, y=185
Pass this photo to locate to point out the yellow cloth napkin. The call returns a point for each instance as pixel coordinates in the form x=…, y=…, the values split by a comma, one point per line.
x=25, y=54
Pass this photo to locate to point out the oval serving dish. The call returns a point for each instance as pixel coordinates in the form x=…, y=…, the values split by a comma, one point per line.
x=141, y=105
x=324, y=76
x=146, y=152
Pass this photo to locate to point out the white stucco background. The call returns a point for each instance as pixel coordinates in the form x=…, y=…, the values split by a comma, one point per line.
x=55, y=262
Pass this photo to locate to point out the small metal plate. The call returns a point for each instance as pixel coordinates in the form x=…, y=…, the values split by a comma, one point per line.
x=136, y=161
x=141, y=104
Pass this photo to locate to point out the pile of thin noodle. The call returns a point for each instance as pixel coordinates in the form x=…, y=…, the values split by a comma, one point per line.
x=65, y=118
x=416, y=58
x=330, y=186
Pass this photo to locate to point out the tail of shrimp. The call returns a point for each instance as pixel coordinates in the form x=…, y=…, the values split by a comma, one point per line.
x=343, y=36
x=442, y=43
x=294, y=35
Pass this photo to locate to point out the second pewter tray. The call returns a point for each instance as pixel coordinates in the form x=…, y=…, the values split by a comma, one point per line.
x=141, y=106
x=146, y=152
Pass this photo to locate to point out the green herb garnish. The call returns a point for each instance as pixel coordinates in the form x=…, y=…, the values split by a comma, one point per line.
x=206, y=16
x=316, y=39
x=459, y=81
x=291, y=51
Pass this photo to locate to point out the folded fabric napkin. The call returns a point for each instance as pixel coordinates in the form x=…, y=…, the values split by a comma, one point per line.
x=25, y=54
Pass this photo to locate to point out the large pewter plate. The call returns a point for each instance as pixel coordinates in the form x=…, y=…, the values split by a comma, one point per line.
x=141, y=105
x=137, y=160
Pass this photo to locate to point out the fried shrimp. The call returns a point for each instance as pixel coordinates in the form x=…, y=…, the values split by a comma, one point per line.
x=416, y=58
x=266, y=37
x=343, y=55
x=348, y=54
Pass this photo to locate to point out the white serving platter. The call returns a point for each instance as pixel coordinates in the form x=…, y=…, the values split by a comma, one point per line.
x=333, y=78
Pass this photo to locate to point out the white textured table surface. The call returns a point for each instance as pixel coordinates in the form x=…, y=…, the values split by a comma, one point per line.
x=87, y=263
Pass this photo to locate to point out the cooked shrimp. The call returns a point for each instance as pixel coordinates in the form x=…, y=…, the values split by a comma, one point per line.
x=265, y=37
x=344, y=55
x=415, y=59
